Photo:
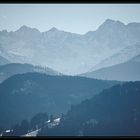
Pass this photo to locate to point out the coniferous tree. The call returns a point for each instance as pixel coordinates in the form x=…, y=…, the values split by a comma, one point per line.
x=1, y=130
x=24, y=127
x=38, y=120
x=16, y=130
x=51, y=118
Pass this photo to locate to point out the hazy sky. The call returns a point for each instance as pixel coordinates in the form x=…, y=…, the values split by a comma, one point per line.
x=77, y=18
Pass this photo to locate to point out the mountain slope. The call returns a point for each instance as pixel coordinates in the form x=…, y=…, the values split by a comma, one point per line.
x=24, y=95
x=113, y=112
x=16, y=68
x=128, y=71
x=122, y=56
x=3, y=61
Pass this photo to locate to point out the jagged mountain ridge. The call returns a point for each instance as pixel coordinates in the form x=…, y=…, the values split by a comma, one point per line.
x=67, y=52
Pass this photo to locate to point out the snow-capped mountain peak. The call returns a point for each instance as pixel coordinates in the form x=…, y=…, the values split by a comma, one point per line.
x=53, y=29
x=111, y=24
x=26, y=29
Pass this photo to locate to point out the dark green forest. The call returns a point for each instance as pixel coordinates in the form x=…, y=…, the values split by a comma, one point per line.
x=24, y=95
x=113, y=112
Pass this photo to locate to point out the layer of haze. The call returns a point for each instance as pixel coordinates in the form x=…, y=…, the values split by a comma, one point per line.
x=77, y=18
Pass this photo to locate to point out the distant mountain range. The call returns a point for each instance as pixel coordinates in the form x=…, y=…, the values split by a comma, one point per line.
x=82, y=77
x=128, y=71
x=71, y=53
x=24, y=95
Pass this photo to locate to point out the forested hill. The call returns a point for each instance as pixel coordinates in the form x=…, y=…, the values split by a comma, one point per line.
x=11, y=69
x=24, y=95
x=113, y=112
